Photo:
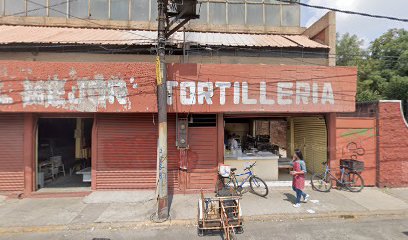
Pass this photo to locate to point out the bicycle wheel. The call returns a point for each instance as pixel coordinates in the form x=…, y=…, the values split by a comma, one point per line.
x=353, y=182
x=233, y=236
x=219, y=186
x=225, y=187
x=321, y=183
x=258, y=186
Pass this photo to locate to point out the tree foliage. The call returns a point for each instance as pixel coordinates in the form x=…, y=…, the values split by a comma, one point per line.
x=349, y=50
x=382, y=68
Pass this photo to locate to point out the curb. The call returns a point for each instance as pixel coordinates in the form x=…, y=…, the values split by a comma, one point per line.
x=192, y=222
x=343, y=215
x=93, y=226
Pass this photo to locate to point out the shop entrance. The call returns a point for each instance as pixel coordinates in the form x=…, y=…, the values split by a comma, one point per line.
x=271, y=141
x=63, y=157
x=197, y=144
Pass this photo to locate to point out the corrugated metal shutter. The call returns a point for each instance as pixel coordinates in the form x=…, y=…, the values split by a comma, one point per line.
x=202, y=158
x=127, y=150
x=11, y=153
x=311, y=138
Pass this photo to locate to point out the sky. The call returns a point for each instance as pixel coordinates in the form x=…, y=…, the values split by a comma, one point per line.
x=366, y=28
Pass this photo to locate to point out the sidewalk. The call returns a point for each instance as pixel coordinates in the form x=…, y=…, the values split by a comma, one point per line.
x=129, y=209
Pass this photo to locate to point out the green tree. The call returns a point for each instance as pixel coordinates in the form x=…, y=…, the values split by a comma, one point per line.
x=391, y=49
x=350, y=53
x=382, y=69
x=349, y=50
x=397, y=88
x=390, y=52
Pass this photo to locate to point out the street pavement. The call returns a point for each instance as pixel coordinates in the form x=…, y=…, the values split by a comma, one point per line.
x=132, y=209
x=362, y=228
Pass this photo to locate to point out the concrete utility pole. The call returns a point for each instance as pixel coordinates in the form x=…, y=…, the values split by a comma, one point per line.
x=162, y=191
x=181, y=10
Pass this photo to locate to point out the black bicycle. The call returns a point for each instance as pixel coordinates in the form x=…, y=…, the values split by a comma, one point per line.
x=349, y=179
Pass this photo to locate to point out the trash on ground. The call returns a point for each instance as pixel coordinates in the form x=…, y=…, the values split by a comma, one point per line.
x=314, y=201
x=310, y=211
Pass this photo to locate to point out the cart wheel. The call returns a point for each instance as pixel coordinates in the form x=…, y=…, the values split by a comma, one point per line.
x=239, y=230
x=200, y=232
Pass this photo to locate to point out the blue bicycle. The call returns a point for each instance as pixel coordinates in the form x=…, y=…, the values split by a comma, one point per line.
x=230, y=186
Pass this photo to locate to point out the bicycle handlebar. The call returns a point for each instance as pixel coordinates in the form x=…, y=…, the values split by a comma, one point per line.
x=341, y=166
x=250, y=166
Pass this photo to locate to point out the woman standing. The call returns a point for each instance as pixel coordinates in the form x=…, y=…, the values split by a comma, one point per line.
x=298, y=173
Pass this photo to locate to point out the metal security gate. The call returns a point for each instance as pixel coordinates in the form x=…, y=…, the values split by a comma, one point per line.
x=11, y=153
x=202, y=158
x=311, y=139
x=127, y=152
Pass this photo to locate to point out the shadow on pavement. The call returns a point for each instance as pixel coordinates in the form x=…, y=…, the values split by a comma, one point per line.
x=290, y=197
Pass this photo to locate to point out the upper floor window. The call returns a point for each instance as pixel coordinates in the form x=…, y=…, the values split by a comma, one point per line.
x=220, y=13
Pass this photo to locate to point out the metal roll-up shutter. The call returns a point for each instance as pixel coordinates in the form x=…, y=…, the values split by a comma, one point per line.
x=173, y=154
x=11, y=153
x=127, y=152
x=311, y=138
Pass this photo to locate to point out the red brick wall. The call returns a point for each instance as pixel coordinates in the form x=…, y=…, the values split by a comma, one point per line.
x=393, y=141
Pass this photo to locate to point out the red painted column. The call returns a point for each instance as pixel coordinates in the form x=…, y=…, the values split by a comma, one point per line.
x=331, y=137
x=29, y=163
x=94, y=150
x=220, y=138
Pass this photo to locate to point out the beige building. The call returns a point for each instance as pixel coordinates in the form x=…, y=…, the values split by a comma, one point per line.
x=229, y=31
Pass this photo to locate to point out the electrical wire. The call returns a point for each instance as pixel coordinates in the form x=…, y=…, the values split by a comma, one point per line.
x=345, y=11
x=307, y=52
x=337, y=96
x=200, y=49
x=72, y=16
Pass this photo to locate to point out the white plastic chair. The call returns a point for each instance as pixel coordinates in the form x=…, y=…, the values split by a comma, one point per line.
x=57, y=165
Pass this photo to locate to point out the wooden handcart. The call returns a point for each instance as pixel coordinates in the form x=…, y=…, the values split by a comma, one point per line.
x=220, y=214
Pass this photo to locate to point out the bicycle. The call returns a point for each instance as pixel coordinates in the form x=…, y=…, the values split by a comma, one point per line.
x=257, y=185
x=349, y=179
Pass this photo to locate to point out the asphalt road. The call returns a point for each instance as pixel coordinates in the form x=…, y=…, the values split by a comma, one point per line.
x=372, y=227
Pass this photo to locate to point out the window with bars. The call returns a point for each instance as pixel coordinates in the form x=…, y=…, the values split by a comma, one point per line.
x=202, y=120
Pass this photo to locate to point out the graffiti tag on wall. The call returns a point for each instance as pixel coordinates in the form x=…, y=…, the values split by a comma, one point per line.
x=354, y=149
x=87, y=95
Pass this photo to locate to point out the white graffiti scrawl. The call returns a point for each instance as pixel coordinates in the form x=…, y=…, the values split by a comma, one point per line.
x=4, y=98
x=86, y=95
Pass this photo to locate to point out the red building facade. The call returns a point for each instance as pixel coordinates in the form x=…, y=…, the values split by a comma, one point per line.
x=120, y=100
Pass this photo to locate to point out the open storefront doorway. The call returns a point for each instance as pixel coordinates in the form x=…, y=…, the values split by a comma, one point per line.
x=64, y=154
x=271, y=141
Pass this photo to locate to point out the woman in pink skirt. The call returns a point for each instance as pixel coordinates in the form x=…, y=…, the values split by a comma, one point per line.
x=298, y=173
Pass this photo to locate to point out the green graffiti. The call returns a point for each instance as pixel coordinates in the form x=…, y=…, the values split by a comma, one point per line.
x=358, y=132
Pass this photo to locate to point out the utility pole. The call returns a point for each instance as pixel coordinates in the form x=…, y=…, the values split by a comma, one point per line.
x=162, y=188
x=183, y=10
